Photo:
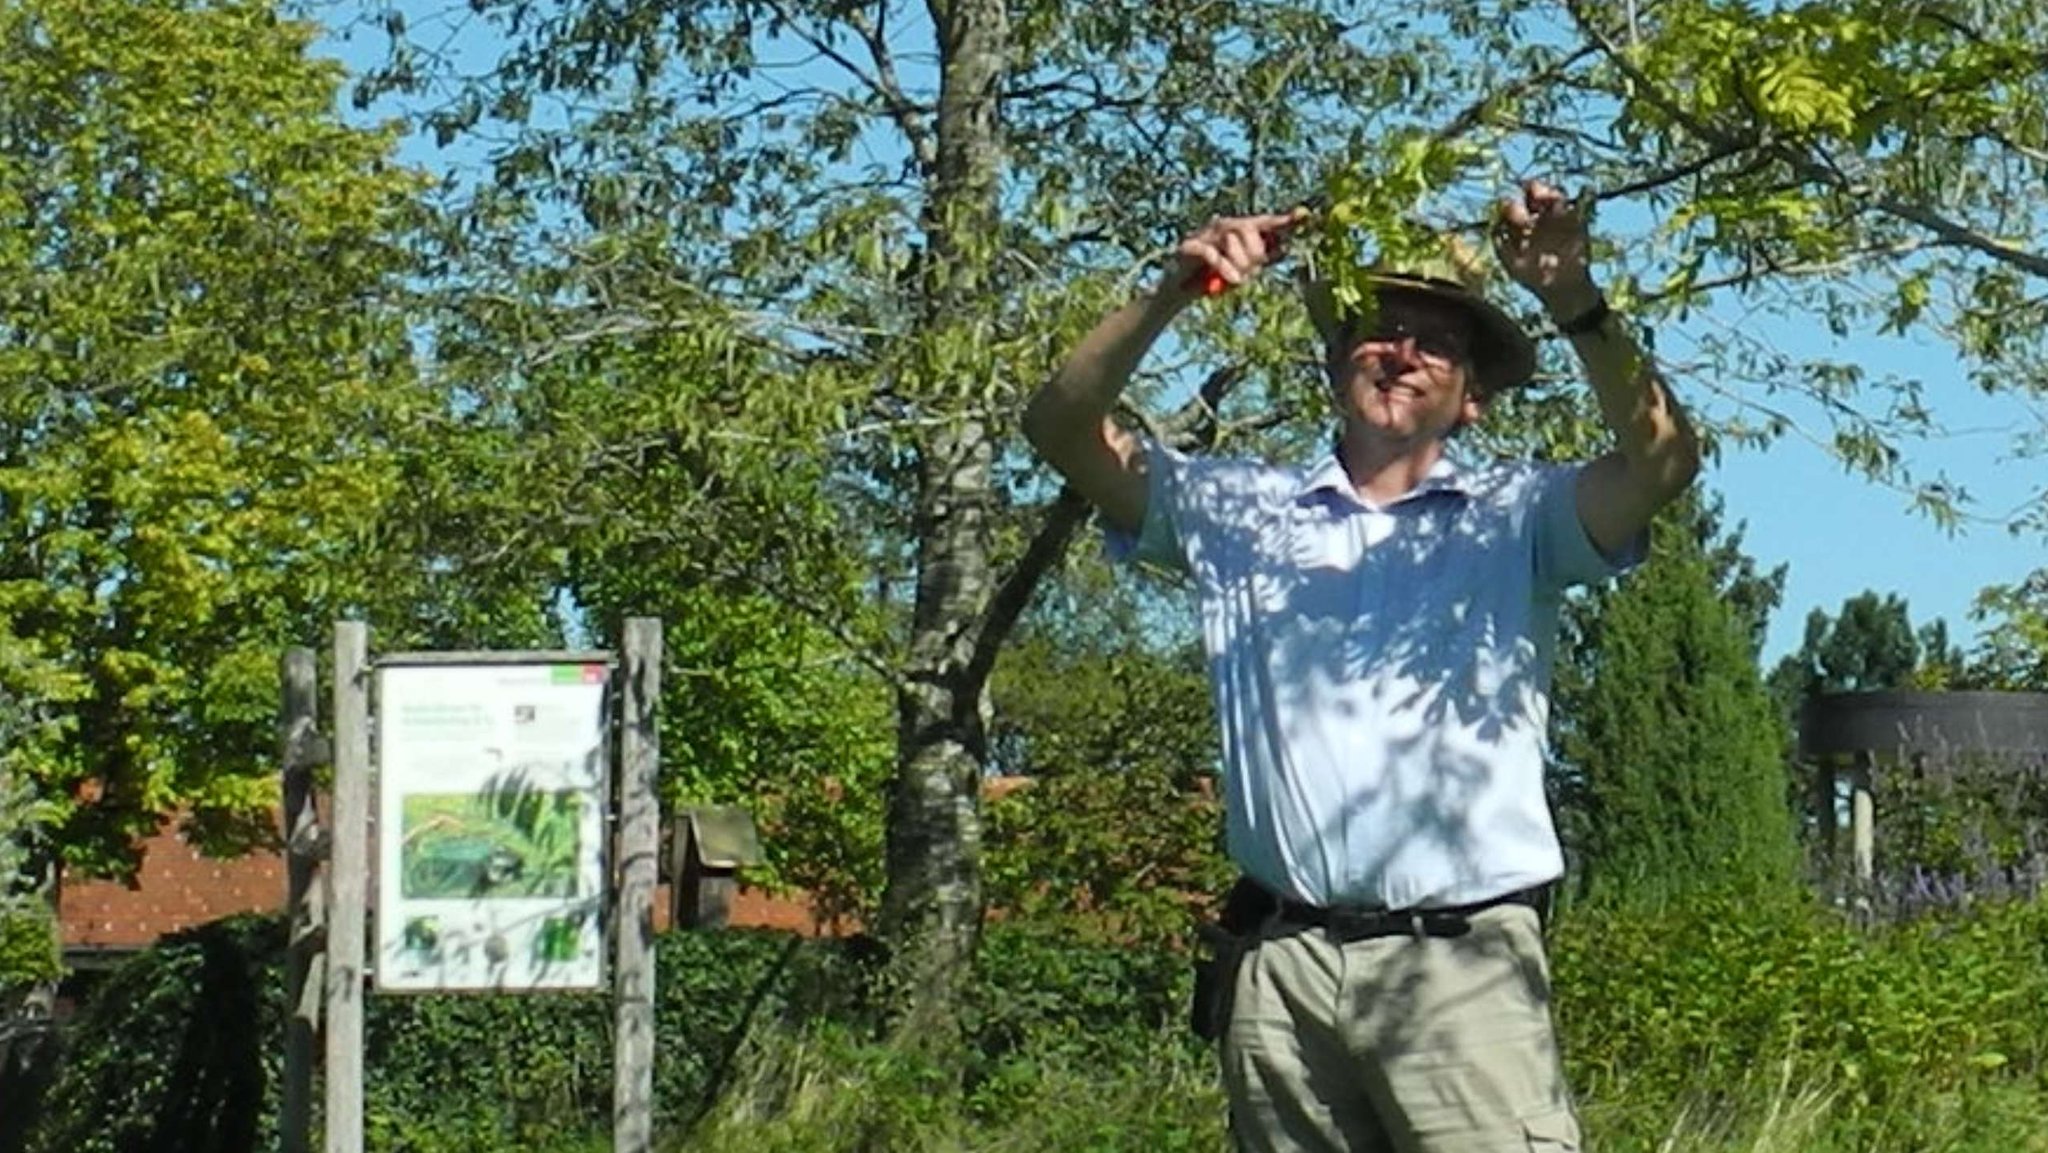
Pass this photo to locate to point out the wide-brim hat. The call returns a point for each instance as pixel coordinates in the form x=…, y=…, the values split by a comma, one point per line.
x=1504, y=356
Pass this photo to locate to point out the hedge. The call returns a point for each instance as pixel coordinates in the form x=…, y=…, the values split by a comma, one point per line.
x=181, y=1048
x=1662, y=1010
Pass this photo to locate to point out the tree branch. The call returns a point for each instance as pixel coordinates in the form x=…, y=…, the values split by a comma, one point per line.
x=1194, y=426
x=909, y=117
x=1013, y=594
x=1727, y=150
x=1475, y=113
x=1771, y=267
x=1955, y=233
x=2030, y=153
x=882, y=83
x=1648, y=88
x=1811, y=168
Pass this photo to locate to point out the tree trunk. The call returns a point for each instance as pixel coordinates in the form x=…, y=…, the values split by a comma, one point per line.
x=28, y=1032
x=932, y=904
x=932, y=901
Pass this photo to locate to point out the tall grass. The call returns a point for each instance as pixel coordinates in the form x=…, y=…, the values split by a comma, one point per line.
x=1773, y=1113
x=817, y=1091
x=1817, y=1117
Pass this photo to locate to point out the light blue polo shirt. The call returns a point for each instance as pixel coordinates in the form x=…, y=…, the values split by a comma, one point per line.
x=1381, y=673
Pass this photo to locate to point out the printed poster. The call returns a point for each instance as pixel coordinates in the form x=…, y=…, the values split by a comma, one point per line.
x=492, y=792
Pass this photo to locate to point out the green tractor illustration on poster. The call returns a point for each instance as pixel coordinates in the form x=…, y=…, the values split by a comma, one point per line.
x=505, y=841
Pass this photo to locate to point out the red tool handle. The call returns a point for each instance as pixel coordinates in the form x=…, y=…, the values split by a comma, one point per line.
x=1206, y=281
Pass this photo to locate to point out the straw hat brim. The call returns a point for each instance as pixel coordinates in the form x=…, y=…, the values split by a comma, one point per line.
x=1505, y=356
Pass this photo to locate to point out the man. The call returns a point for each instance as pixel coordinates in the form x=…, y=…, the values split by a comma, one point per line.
x=1380, y=630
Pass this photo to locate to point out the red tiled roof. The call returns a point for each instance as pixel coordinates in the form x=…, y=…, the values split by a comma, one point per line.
x=178, y=888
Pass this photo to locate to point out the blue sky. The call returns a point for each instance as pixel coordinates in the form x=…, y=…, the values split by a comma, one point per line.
x=1841, y=534
x=1838, y=534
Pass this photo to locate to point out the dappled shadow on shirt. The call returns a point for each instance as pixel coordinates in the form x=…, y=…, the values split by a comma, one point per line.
x=1381, y=680
x=1376, y=669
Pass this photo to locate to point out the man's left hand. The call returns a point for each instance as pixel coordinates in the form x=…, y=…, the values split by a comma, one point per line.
x=1541, y=240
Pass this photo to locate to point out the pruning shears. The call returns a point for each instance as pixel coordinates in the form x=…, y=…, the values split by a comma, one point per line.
x=1207, y=281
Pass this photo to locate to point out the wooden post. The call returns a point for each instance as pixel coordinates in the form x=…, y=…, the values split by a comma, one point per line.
x=347, y=886
x=300, y=749
x=639, y=842
x=1863, y=821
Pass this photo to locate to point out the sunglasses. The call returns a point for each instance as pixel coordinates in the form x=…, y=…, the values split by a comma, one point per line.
x=1434, y=339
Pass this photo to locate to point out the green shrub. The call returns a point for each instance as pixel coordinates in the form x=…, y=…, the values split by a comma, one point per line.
x=28, y=947
x=188, y=1035
x=186, y=1038
x=1727, y=1022
x=824, y=1090
x=1112, y=855
x=1658, y=1003
x=176, y=1050
x=1043, y=989
x=513, y=1070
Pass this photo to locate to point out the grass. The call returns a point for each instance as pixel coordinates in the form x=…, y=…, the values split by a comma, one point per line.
x=1783, y=1113
x=819, y=1093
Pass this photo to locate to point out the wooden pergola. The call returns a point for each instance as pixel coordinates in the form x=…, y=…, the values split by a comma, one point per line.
x=1850, y=732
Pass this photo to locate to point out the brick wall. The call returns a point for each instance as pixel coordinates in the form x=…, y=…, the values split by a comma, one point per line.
x=178, y=888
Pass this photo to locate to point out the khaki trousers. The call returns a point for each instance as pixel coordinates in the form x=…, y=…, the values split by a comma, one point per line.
x=1398, y=1044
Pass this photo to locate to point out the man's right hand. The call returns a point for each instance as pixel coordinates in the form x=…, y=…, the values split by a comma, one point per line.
x=1230, y=250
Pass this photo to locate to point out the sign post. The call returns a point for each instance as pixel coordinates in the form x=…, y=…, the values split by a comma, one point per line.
x=347, y=887
x=300, y=749
x=639, y=841
x=493, y=798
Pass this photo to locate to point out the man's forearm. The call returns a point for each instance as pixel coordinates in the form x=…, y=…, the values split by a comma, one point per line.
x=1068, y=420
x=1650, y=428
x=1086, y=387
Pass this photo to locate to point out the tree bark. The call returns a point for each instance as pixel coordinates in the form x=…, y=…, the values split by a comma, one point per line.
x=28, y=1061
x=28, y=1031
x=932, y=898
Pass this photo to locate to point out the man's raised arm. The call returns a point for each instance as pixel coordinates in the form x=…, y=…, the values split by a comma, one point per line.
x=1068, y=421
x=1542, y=242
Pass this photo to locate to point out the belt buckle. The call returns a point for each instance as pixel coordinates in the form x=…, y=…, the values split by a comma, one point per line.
x=1350, y=923
x=1354, y=924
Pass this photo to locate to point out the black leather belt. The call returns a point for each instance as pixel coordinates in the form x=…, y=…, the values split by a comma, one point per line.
x=1353, y=923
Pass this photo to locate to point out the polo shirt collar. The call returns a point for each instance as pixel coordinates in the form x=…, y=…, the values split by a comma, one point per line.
x=1446, y=475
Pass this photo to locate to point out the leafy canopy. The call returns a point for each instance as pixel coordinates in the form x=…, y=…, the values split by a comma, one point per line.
x=212, y=440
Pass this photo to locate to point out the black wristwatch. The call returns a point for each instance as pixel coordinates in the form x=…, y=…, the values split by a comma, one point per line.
x=1588, y=321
